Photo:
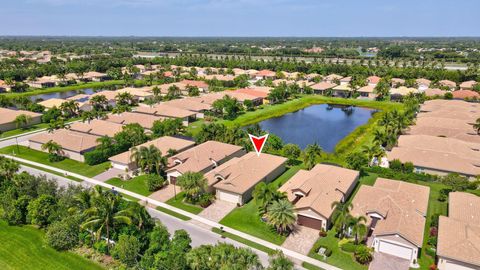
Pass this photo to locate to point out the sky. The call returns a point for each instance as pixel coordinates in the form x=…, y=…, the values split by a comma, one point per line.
x=313, y=18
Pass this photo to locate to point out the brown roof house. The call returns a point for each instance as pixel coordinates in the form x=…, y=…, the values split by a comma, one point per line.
x=313, y=192
x=395, y=212
x=468, y=85
x=168, y=111
x=123, y=160
x=8, y=116
x=322, y=87
x=235, y=179
x=125, y=118
x=97, y=127
x=74, y=144
x=191, y=104
x=458, y=246
x=201, y=158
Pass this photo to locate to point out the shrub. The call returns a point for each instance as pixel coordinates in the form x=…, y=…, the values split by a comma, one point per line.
x=95, y=157
x=63, y=235
x=206, y=199
x=55, y=158
x=431, y=252
x=432, y=267
x=432, y=241
x=396, y=165
x=127, y=249
x=154, y=182
x=408, y=167
x=101, y=246
x=363, y=254
x=433, y=231
x=349, y=247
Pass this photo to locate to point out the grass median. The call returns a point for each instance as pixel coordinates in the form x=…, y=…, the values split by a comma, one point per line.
x=66, y=164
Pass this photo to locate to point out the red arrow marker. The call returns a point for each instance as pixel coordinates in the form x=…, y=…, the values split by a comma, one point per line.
x=258, y=142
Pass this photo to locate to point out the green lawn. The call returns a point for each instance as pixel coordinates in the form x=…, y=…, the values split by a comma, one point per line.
x=19, y=131
x=66, y=164
x=194, y=127
x=172, y=213
x=246, y=218
x=24, y=248
x=179, y=203
x=244, y=241
x=338, y=258
x=137, y=184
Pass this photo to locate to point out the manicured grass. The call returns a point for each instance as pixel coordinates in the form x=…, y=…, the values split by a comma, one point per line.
x=310, y=266
x=434, y=207
x=247, y=219
x=194, y=127
x=19, y=131
x=244, y=241
x=24, y=248
x=137, y=184
x=338, y=258
x=179, y=203
x=172, y=213
x=52, y=172
x=66, y=164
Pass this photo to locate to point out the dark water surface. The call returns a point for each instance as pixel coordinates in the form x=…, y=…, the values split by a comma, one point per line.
x=324, y=124
x=65, y=94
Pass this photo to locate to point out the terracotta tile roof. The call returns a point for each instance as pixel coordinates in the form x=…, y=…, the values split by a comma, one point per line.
x=321, y=186
x=97, y=127
x=434, y=92
x=374, y=79
x=332, y=77
x=68, y=139
x=403, y=206
x=199, y=84
x=459, y=234
x=403, y=91
x=191, y=104
x=242, y=173
x=437, y=160
x=468, y=84
x=323, y=86
x=367, y=89
x=125, y=118
x=163, y=144
x=165, y=111
x=447, y=83
x=253, y=92
x=265, y=73
x=52, y=102
x=423, y=81
x=463, y=94
x=8, y=115
x=202, y=156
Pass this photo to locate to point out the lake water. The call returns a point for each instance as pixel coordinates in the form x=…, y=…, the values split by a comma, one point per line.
x=64, y=95
x=324, y=124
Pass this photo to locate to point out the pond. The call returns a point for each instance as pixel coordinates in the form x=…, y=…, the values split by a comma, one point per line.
x=64, y=95
x=324, y=124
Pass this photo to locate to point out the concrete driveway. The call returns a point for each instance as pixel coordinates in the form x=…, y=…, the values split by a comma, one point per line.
x=301, y=239
x=165, y=193
x=108, y=174
x=217, y=210
x=382, y=261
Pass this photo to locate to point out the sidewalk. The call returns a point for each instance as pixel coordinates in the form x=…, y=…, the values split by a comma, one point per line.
x=197, y=218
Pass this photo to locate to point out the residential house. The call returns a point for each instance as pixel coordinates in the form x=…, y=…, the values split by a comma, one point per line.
x=435, y=92
x=234, y=180
x=468, y=85
x=342, y=90
x=8, y=116
x=191, y=104
x=322, y=87
x=465, y=94
x=332, y=78
x=97, y=127
x=373, y=80
x=201, y=85
x=258, y=92
x=313, y=193
x=448, y=84
x=125, y=118
x=367, y=91
x=403, y=91
x=345, y=80
x=265, y=74
x=168, y=111
x=397, y=82
x=95, y=76
x=74, y=144
x=124, y=162
x=201, y=158
x=422, y=84
x=52, y=102
x=458, y=246
x=395, y=212
x=43, y=82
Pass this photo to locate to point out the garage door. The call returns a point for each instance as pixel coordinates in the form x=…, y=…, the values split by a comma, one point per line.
x=395, y=250
x=228, y=197
x=454, y=266
x=309, y=222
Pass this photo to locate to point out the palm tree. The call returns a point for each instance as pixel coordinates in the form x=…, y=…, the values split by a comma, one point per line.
x=52, y=147
x=265, y=194
x=22, y=120
x=278, y=261
x=476, y=126
x=310, y=155
x=125, y=99
x=281, y=215
x=88, y=116
x=99, y=103
x=372, y=151
x=149, y=159
x=105, y=214
x=359, y=229
x=193, y=184
x=343, y=210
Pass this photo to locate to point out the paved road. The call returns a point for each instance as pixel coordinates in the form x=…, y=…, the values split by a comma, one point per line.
x=199, y=235
x=22, y=139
